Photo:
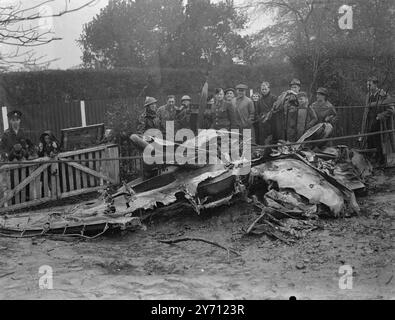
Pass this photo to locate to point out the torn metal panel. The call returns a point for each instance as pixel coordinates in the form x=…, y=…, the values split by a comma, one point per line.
x=290, y=203
x=304, y=180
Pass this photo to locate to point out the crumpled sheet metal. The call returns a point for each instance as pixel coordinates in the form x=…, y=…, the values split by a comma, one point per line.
x=185, y=181
x=304, y=180
x=290, y=203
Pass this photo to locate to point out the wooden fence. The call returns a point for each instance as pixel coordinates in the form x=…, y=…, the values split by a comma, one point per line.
x=24, y=185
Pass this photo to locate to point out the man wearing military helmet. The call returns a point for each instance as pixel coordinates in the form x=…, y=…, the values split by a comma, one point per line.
x=148, y=119
x=182, y=119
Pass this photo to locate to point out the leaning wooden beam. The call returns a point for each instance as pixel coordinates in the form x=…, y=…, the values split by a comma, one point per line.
x=89, y=171
x=23, y=184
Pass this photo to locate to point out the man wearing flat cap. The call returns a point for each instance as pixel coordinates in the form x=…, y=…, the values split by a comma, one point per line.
x=14, y=144
x=245, y=110
x=229, y=94
x=287, y=102
x=326, y=117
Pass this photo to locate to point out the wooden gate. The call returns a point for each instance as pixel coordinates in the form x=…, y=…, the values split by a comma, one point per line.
x=24, y=185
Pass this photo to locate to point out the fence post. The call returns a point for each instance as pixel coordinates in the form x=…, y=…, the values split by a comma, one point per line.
x=55, y=181
x=5, y=118
x=83, y=114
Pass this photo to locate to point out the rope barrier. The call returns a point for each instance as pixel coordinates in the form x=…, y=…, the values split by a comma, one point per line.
x=179, y=144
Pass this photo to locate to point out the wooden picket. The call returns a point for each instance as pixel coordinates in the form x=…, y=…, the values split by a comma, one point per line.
x=25, y=185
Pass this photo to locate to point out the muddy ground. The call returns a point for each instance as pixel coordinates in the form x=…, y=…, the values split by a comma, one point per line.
x=136, y=266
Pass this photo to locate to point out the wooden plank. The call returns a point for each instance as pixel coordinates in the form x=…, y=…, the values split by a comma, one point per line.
x=32, y=163
x=17, y=197
x=55, y=184
x=77, y=174
x=70, y=170
x=90, y=171
x=45, y=182
x=91, y=166
x=22, y=172
x=84, y=183
x=87, y=150
x=38, y=183
x=81, y=191
x=31, y=184
x=114, y=165
x=23, y=184
x=99, y=164
x=8, y=186
x=63, y=177
x=25, y=205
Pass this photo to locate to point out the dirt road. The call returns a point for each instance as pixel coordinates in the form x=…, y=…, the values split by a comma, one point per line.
x=136, y=266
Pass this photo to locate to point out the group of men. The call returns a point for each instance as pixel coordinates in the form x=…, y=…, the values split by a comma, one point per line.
x=269, y=118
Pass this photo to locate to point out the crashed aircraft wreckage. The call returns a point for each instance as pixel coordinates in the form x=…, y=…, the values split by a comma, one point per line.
x=288, y=181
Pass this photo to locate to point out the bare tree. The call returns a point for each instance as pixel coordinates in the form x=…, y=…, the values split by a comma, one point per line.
x=26, y=26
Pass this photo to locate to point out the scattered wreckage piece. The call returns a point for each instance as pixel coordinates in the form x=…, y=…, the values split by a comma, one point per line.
x=304, y=180
x=285, y=229
x=199, y=189
x=82, y=224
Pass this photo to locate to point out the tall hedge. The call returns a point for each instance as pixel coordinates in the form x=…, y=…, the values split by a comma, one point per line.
x=26, y=88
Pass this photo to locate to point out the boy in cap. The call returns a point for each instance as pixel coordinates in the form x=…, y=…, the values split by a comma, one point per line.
x=14, y=143
x=48, y=146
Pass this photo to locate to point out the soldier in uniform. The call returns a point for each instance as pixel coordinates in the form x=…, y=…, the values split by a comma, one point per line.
x=14, y=144
x=183, y=114
x=147, y=120
x=223, y=112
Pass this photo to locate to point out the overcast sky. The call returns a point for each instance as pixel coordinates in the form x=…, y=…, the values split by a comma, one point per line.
x=69, y=27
